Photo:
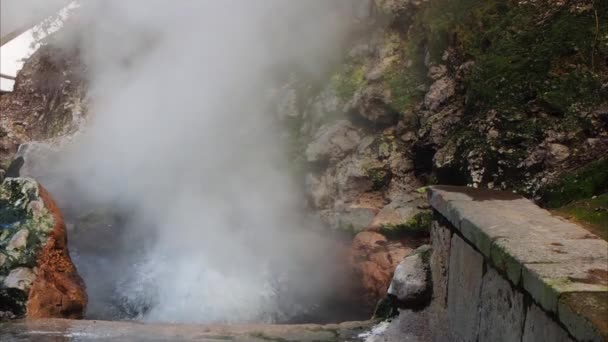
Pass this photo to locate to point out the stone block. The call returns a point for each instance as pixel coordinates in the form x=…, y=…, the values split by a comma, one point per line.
x=546, y=282
x=585, y=315
x=502, y=310
x=539, y=327
x=550, y=258
x=440, y=258
x=464, y=289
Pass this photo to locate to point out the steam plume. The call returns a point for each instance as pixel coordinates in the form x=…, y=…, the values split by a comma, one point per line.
x=183, y=138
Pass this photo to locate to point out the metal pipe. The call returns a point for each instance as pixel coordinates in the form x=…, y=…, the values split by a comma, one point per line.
x=7, y=76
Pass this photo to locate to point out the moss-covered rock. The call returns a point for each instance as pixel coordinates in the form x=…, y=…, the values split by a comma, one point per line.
x=37, y=276
x=418, y=226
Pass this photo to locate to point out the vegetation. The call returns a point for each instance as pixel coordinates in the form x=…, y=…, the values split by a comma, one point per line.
x=583, y=183
x=379, y=177
x=386, y=308
x=419, y=225
x=348, y=79
x=406, y=78
x=592, y=213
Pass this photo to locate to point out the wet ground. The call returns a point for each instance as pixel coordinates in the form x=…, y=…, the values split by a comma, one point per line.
x=59, y=330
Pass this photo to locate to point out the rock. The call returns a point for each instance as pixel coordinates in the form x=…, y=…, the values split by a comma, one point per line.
x=409, y=136
x=439, y=92
x=318, y=190
x=392, y=8
x=411, y=283
x=392, y=214
x=557, y=153
x=20, y=278
x=47, y=100
x=325, y=105
x=446, y=158
x=350, y=219
x=14, y=168
x=373, y=259
x=18, y=241
x=332, y=142
x=372, y=103
x=396, y=9
x=437, y=71
x=436, y=126
x=286, y=98
x=49, y=287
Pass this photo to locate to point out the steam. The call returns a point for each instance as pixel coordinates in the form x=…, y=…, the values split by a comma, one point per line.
x=17, y=14
x=183, y=139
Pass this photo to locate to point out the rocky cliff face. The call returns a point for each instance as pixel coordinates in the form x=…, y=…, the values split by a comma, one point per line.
x=496, y=94
x=47, y=102
x=499, y=94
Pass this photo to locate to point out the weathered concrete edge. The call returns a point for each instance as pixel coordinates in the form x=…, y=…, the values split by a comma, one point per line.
x=548, y=292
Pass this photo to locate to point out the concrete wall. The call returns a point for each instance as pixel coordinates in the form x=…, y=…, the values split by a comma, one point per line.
x=506, y=270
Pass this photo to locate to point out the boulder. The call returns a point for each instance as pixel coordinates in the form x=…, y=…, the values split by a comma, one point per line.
x=332, y=142
x=393, y=214
x=411, y=283
x=558, y=153
x=20, y=278
x=373, y=104
x=40, y=280
x=373, y=259
x=439, y=92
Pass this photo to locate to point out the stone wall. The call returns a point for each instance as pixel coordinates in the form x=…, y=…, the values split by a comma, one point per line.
x=506, y=270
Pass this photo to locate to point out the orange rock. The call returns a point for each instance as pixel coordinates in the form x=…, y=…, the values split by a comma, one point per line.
x=373, y=259
x=58, y=291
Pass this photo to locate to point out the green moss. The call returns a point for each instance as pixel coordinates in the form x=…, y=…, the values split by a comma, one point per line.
x=385, y=309
x=520, y=58
x=590, y=180
x=379, y=177
x=527, y=56
x=418, y=225
x=348, y=79
x=591, y=213
x=406, y=77
x=407, y=86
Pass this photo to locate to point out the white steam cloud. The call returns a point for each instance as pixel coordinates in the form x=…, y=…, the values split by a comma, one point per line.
x=183, y=137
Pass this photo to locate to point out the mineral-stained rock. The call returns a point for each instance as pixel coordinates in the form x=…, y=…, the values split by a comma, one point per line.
x=40, y=280
x=411, y=283
x=374, y=259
